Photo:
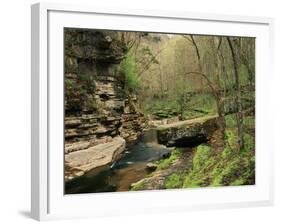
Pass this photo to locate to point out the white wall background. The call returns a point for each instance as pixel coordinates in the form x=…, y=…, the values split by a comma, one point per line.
x=15, y=110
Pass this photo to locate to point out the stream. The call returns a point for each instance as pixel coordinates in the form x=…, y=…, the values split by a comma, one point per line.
x=130, y=168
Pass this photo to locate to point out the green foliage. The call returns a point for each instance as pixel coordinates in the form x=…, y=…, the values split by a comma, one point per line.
x=168, y=107
x=70, y=65
x=83, y=77
x=93, y=105
x=227, y=151
x=87, y=82
x=138, y=186
x=74, y=94
x=230, y=138
x=227, y=167
x=249, y=121
x=165, y=163
x=129, y=71
x=249, y=143
x=199, y=105
x=78, y=89
x=205, y=102
x=237, y=182
x=69, y=83
x=243, y=74
x=156, y=38
x=230, y=121
x=202, y=160
x=163, y=108
x=240, y=170
x=173, y=181
x=201, y=156
x=236, y=168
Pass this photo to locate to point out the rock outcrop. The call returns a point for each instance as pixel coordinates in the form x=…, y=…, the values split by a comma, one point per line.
x=188, y=133
x=81, y=161
x=96, y=110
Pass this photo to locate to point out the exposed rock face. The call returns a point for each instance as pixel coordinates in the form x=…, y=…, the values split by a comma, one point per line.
x=95, y=100
x=93, y=82
x=188, y=133
x=86, y=130
x=132, y=126
x=81, y=161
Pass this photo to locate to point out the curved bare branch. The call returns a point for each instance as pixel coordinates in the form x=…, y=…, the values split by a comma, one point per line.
x=210, y=84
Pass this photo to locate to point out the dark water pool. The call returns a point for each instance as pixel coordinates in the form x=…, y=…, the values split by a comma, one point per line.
x=121, y=174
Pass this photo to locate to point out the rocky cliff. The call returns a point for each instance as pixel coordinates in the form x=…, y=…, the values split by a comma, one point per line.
x=96, y=107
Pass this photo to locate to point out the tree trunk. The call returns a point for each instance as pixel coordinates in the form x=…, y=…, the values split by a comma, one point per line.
x=160, y=73
x=198, y=57
x=238, y=95
x=245, y=61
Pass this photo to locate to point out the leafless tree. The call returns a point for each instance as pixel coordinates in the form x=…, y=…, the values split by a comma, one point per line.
x=239, y=114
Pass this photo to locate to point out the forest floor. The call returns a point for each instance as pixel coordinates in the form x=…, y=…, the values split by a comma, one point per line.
x=207, y=165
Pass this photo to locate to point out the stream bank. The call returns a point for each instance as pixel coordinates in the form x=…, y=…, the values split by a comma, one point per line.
x=147, y=163
x=130, y=168
x=100, y=121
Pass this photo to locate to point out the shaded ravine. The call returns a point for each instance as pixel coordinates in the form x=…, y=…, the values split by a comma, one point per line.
x=130, y=168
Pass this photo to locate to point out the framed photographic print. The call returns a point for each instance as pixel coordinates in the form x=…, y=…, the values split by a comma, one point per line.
x=161, y=111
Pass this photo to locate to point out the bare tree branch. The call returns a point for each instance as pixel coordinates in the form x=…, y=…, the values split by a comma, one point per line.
x=147, y=66
x=187, y=38
x=210, y=84
x=215, y=91
x=219, y=44
x=196, y=47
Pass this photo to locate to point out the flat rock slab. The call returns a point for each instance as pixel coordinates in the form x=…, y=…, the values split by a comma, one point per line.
x=186, y=123
x=188, y=133
x=79, y=162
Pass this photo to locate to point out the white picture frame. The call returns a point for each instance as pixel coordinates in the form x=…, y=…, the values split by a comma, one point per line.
x=48, y=200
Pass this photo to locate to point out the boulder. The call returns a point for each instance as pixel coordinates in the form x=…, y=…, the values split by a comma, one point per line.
x=166, y=155
x=151, y=166
x=93, y=157
x=188, y=133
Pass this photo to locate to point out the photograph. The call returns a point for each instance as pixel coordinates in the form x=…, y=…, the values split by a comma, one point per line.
x=157, y=111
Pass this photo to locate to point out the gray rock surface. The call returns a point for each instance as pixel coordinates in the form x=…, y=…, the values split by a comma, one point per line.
x=81, y=161
x=188, y=133
x=95, y=125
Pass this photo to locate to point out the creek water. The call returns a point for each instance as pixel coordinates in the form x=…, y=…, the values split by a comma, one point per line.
x=130, y=168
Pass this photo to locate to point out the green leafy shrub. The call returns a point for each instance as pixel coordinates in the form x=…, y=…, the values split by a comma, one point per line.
x=230, y=138
x=202, y=160
x=249, y=142
x=173, y=181
x=129, y=71
x=70, y=65
x=201, y=156
x=138, y=186
x=230, y=121
x=249, y=121
x=223, y=168
x=165, y=163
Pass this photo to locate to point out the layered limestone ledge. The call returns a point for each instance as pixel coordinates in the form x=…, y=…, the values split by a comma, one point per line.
x=188, y=133
x=79, y=162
